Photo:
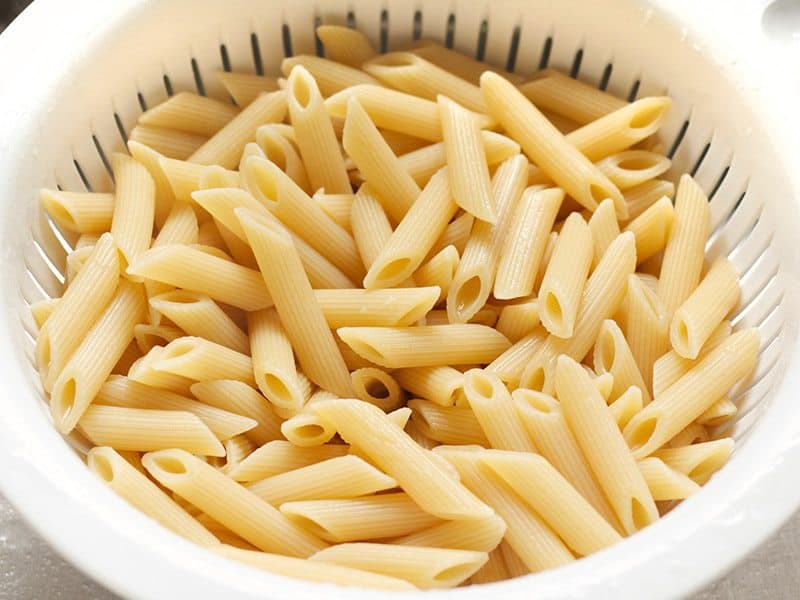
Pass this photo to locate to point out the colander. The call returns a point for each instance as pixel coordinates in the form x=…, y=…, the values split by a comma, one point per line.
x=77, y=74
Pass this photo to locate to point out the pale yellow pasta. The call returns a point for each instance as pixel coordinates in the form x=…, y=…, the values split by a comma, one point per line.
x=144, y=430
x=441, y=385
x=280, y=456
x=197, y=271
x=455, y=234
x=142, y=371
x=569, y=97
x=698, y=461
x=297, y=211
x=186, y=111
x=95, y=355
x=664, y=482
x=151, y=160
x=722, y=410
x=395, y=110
x=644, y=195
x=229, y=503
x=510, y=365
x=345, y=45
x=541, y=414
x=491, y=403
x=136, y=489
x=167, y=142
x=548, y=254
x=203, y=360
x=238, y=397
x=480, y=258
x=236, y=449
x=692, y=434
x=632, y=167
x=299, y=312
x=406, y=248
x=547, y=147
x=694, y=393
x=466, y=159
x=330, y=76
x=518, y=320
x=613, y=355
x=75, y=261
x=651, y=229
x=448, y=424
x=685, y=247
x=42, y=309
x=604, y=229
x=425, y=346
x=419, y=437
x=604, y=384
x=565, y=277
x=370, y=225
x=134, y=207
x=394, y=307
x=493, y=570
x=514, y=564
x=402, y=143
x=439, y=271
x=282, y=152
x=465, y=534
x=377, y=162
x=702, y=312
x=392, y=450
x=80, y=212
x=198, y=315
x=225, y=147
x=626, y=405
x=459, y=64
x=209, y=237
x=337, y=207
x=250, y=149
x=183, y=177
x=377, y=387
x=245, y=87
x=530, y=537
x=305, y=428
x=603, y=446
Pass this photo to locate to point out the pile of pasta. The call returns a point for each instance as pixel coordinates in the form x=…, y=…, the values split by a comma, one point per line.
x=398, y=321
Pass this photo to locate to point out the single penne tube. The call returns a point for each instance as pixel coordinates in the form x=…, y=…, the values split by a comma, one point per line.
x=510, y=365
x=467, y=534
x=402, y=143
x=621, y=129
x=345, y=45
x=137, y=489
x=246, y=87
x=237, y=397
x=126, y=393
x=273, y=360
x=184, y=177
x=225, y=147
x=305, y=428
x=604, y=383
x=466, y=159
x=685, y=248
x=604, y=229
x=297, y=211
x=377, y=387
x=493, y=570
x=693, y=434
x=408, y=245
x=151, y=160
x=627, y=404
x=80, y=212
x=604, y=447
x=413, y=74
x=337, y=207
x=518, y=320
x=393, y=307
x=448, y=424
x=296, y=305
x=298, y=568
x=426, y=568
x=95, y=356
x=651, y=229
x=186, y=111
x=191, y=269
x=548, y=254
x=565, y=277
x=705, y=308
x=210, y=240
x=422, y=163
x=514, y=564
x=547, y=147
x=145, y=430
x=698, y=461
x=491, y=403
x=425, y=346
x=479, y=260
x=370, y=226
x=694, y=393
x=281, y=456
x=530, y=537
x=198, y=315
x=282, y=152
x=644, y=195
x=180, y=227
x=419, y=437
x=75, y=261
x=441, y=385
x=459, y=64
x=541, y=414
x=671, y=366
x=250, y=149
x=167, y=142
x=134, y=207
x=524, y=245
x=664, y=482
x=367, y=518
x=339, y=477
x=316, y=139
x=229, y=503
x=82, y=303
x=393, y=451
x=645, y=324
x=331, y=76
x=632, y=167
x=142, y=371
x=395, y=110
x=455, y=234
x=569, y=97
x=581, y=527
x=236, y=449
x=376, y=161
x=439, y=271
x=613, y=355
x=42, y=309
x=721, y=411
x=202, y=360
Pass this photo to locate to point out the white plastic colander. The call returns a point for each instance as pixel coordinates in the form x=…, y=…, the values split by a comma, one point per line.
x=75, y=76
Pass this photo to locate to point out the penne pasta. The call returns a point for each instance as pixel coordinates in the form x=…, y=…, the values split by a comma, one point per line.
x=448, y=424
x=280, y=456
x=613, y=355
x=467, y=534
x=441, y=385
x=698, y=461
x=518, y=320
x=664, y=482
x=79, y=212
x=344, y=45
x=721, y=411
x=633, y=167
x=644, y=195
x=152, y=161
x=167, y=142
x=377, y=387
x=283, y=153
x=188, y=112
x=330, y=76
x=134, y=207
x=459, y=64
x=439, y=271
x=337, y=207
x=395, y=307
x=568, y=97
x=604, y=229
x=143, y=371
x=627, y=404
x=651, y=229
x=199, y=359
x=245, y=87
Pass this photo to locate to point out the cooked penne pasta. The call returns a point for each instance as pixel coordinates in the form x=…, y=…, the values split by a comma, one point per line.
x=151, y=160
x=199, y=359
x=168, y=142
x=455, y=234
x=377, y=387
x=664, y=482
x=245, y=87
x=441, y=385
x=632, y=167
x=191, y=113
x=282, y=152
x=391, y=307
x=720, y=411
x=80, y=212
x=518, y=320
x=134, y=207
x=651, y=229
x=644, y=195
x=439, y=271
x=613, y=355
x=280, y=456
x=568, y=97
x=627, y=404
x=493, y=570
x=510, y=365
x=698, y=461
x=466, y=534
x=604, y=229
x=330, y=76
x=344, y=45
x=142, y=371
x=448, y=424
x=337, y=207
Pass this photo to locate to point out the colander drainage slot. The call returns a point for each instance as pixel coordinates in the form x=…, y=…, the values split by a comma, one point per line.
x=198, y=79
x=450, y=32
x=416, y=32
x=606, y=77
x=286, y=36
x=168, y=85
x=225, y=58
x=318, y=47
x=546, y=49
x=103, y=158
x=256, y=49
x=483, y=35
x=121, y=128
x=513, y=49
x=576, y=64
x=384, y=31
x=678, y=139
x=82, y=175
